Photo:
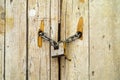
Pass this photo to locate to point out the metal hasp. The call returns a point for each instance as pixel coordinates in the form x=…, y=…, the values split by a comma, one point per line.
x=56, y=44
x=59, y=47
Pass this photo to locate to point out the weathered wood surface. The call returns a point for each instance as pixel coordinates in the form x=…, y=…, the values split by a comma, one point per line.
x=38, y=58
x=63, y=37
x=96, y=57
x=77, y=67
x=104, y=40
x=15, y=39
x=2, y=26
x=54, y=35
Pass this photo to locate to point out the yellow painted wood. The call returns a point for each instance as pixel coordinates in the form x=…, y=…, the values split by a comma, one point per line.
x=15, y=39
x=80, y=26
x=39, y=37
x=2, y=26
x=104, y=40
x=75, y=66
x=38, y=58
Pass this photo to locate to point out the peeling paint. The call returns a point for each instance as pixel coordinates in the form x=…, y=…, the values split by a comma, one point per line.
x=32, y=12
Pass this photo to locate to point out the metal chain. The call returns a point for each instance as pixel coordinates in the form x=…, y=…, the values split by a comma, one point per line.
x=52, y=42
x=56, y=44
x=73, y=38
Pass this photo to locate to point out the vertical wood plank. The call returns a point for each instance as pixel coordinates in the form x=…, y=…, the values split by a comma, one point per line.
x=38, y=58
x=63, y=37
x=2, y=26
x=104, y=40
x=15, y=62
x=54, y=36
x=76, y=66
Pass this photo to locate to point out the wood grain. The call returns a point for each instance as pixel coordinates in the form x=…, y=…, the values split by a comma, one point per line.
x=104, y=40
x=54, y=36
x=2, y=27
x=38, y=58
x=75, y=65
x=15, y=59
x=94, y=57
x=63, y=37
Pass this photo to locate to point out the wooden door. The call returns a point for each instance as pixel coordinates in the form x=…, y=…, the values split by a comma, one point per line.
x=75, y=66
x=104, y=39
x=94, y=57
x=15, y=40
x=40, y=64
x=2, y=28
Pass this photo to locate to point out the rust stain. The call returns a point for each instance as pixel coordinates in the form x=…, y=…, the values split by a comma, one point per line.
x=82, y=1
x=80, y=26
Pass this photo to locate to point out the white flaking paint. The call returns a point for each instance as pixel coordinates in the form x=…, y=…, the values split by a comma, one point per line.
x=32, y=12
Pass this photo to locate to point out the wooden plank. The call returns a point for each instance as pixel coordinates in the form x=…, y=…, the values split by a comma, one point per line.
x=2, y=26
x=75, y=65
x=15, y=61
x=63, y=37
x=38, y=58
x=104, y=40
x=54, y=36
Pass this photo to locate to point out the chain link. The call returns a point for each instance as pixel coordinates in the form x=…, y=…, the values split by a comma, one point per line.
x=56, y=44
x=45, y=37
x=74, y=37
